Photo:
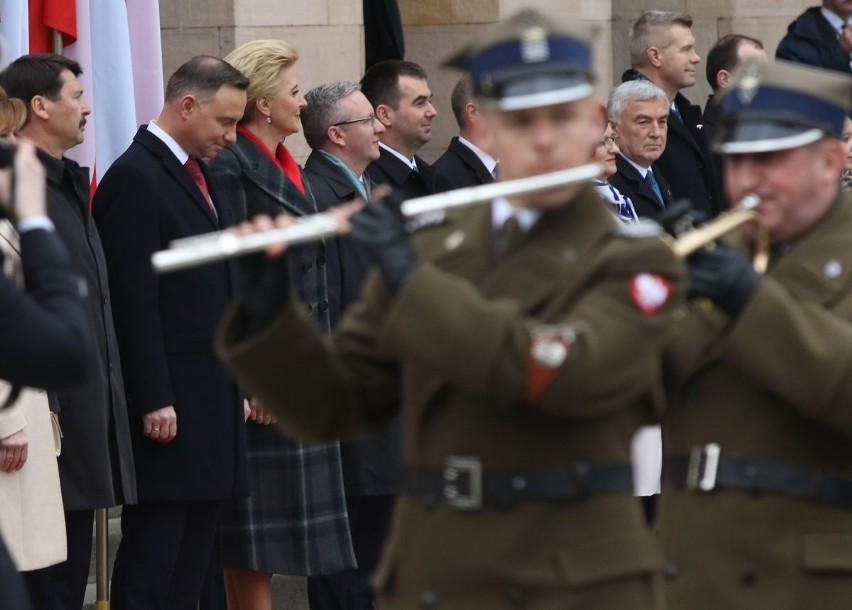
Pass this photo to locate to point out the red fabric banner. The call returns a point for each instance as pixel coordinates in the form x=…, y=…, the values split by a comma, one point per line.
x=49, y=15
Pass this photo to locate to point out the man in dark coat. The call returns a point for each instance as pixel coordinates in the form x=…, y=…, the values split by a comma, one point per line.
x=96, y=467
x=639, y=113
x=520, y=343
x=187, y=417
x=756, y=507
x=820, y=37
x=662, y=50
x=339, y=126
x=728, y=53
x=466, y=161
x=402, y=103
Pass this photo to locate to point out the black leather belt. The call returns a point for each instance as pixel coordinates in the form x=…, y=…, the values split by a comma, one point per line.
x=706, y=468
x=462, y=484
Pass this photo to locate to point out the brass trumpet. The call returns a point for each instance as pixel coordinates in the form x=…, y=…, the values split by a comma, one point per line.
x=707, y=234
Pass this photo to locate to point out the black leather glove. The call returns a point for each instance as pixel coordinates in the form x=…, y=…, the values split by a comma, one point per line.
x=723, y=275
x=380, y=229
x=262, y=286
x=680, y=217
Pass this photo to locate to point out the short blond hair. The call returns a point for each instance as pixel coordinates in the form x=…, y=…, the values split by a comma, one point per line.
x=13, y=113
x=261, y=61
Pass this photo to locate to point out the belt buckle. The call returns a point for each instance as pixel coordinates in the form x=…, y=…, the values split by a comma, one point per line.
x=463, y=482
x=708, y=457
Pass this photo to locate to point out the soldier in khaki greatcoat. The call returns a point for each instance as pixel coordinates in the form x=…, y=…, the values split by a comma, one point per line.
x=757, y=499
x=525, y=365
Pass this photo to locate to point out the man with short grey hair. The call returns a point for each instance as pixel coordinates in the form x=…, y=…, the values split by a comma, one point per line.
x=340, y=127
x=639, y=113
x=662, y=50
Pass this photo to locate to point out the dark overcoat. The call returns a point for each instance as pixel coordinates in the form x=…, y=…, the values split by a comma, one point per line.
x=455, y=343
x=811, y=40
x=296, y=521
x=371, y=466
x=96, y=467
x=632, y=185
x=773, y=385
x=165, y=324
x=459, y=167
x=389, y=169
x=43, y=328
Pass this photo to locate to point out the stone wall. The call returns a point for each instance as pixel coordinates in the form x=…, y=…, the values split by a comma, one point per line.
x=329, y=35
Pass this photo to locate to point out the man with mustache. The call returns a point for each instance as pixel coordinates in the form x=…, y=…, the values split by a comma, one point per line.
x=402, y=103
x=96, y=467
x=662, y=50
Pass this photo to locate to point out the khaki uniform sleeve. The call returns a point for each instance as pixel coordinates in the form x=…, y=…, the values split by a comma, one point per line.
x=319, y=390
x=442, y=322
x=799, y=351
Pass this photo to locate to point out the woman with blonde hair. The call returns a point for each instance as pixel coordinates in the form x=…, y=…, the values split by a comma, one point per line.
x=295, y=520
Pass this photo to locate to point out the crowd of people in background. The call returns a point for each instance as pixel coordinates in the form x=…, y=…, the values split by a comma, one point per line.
x=218, y=485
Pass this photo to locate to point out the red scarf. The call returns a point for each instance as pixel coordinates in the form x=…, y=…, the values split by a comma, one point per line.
x=282, y=158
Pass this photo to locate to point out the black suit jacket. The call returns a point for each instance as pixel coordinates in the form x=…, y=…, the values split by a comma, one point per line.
x=686, y=161
x=459, y=167
x=371, y=466
x=811, y=40
x=166, y=323
x=388, y=169
x=630, y=183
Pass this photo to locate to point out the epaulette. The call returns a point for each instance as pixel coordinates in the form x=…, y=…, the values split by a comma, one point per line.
x=429, y=219
x=645, y=227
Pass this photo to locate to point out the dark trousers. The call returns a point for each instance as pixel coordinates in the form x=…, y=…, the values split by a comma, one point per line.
x=369, y=522
x=63, y=586
x=13, y=594
x=164, y=555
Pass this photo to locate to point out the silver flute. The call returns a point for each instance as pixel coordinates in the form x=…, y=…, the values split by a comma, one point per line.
x=209, y=247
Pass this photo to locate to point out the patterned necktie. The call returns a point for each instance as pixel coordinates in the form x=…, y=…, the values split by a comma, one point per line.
x=198, y=177
x=654, y=185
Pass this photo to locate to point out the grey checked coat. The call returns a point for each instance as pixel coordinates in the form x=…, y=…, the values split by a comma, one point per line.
x=295, y=520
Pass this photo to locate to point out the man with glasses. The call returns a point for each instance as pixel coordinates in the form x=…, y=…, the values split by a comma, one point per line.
x=340, y=127
x=402, y=102
x=638, y=111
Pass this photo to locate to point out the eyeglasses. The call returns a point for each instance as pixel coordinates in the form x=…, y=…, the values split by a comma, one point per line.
x=371, y=119
x=610, y=142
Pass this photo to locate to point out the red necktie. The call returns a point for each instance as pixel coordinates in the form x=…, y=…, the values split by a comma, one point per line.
x=197, y=175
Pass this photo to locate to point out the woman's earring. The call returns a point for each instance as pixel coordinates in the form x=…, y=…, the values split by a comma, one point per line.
x=269, y=119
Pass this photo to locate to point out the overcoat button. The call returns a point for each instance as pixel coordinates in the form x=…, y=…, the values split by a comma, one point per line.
x=670, y=571
x=517, y=598
x=310, y=308
x=323, y=306
x=428, y=599
x=320, y=262
x=748, y=578
x=307, y=266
